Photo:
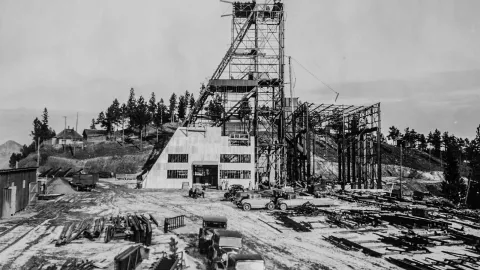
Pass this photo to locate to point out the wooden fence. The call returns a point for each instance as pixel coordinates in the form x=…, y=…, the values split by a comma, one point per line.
x=173, y=223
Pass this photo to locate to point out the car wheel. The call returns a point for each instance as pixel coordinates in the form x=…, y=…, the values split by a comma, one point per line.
x=283, y=207
x=247, y=207
x=270, y=206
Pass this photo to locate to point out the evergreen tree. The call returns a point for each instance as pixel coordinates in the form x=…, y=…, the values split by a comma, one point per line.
x=152, y=108
x=92, y=125
x=393, y=133
x=182, y=107
x=172, y=107
x=422, y=142
x=131, y=108
x=141, y=116
x=46, y=133
x=473, y=150
x=435, y=140
x=453, y=186
x=14, y=158
x=215, y=109
x=192, y=101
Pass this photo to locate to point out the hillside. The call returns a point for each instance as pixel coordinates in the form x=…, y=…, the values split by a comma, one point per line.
x=109, y=156
x=6, y=150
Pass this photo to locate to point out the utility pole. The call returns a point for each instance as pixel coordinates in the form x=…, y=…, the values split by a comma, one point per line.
x=123, y=129
x=64, y=133
x=401, y=170
x=400, y=143
x=38, y=152
x=468, y=185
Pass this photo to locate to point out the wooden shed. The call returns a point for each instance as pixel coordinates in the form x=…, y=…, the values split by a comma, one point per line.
x=18, y=189
x=94, y=135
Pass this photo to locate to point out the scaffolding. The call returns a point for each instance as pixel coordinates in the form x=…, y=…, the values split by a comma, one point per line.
x=347, y=135
x=247, y=86
x=245, y=95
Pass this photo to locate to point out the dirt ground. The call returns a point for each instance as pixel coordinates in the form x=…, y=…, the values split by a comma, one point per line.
x=29, y=236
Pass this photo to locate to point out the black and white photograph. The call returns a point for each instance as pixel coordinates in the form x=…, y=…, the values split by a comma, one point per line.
x=240, y=135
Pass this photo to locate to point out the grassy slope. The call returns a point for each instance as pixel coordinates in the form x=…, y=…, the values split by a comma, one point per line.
x=105, y=156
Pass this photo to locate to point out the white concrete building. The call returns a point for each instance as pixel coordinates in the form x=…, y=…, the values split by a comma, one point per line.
x=203, y=155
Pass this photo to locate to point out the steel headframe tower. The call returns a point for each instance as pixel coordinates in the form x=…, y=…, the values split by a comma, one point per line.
x=248, y=86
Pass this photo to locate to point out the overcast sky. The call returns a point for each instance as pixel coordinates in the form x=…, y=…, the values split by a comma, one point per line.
x=419, y=58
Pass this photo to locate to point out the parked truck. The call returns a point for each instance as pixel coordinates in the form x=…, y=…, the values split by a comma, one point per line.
x=85, y=182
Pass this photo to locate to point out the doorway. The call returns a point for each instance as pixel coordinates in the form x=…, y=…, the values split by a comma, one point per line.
x=205, y=174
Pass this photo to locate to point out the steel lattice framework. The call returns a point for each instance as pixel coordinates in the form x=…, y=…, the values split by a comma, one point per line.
x=248, y=87
x=349, y=134
x=249, y=84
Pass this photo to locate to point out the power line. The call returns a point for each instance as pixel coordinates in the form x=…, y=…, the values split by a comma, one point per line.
x=328, y=86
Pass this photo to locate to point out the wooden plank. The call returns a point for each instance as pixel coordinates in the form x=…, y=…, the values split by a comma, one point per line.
x=270, y=225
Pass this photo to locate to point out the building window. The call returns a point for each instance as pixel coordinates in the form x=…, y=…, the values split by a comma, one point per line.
x=178, y=158
x=235, y=158
x=235, y=174
x=177, y=174
x=239, y=140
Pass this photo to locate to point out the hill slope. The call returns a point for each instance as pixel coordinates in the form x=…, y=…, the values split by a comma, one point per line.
x=6, y=150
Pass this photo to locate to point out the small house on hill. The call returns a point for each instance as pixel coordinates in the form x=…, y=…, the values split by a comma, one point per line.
x=67, y=136
x=94, y=135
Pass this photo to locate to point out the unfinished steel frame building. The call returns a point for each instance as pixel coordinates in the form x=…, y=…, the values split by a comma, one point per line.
x=347, y=134
x=245, y=97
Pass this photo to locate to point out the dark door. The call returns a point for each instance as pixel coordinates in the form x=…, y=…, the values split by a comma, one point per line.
x=205, y=174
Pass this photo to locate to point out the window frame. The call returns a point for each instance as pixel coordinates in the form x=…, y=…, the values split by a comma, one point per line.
x=177, y=158
x=177, y=174
x=235, y=174
x=236, y=158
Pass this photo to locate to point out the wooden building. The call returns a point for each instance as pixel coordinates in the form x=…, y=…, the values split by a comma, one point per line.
x=17, y=188
x=94, y=135
x=66, y=137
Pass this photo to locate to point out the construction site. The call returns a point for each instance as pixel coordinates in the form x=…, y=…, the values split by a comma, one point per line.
x=270, y=183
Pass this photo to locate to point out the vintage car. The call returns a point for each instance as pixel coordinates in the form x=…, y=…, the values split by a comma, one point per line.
x=197, y=190
x=294, y=200
x=223, y=244
x=232, y=190
x=256, y=201
x=205, y=233
x=239, y=196
x=242, y=261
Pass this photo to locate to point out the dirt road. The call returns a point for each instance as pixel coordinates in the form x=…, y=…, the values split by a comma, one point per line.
x=27, y=238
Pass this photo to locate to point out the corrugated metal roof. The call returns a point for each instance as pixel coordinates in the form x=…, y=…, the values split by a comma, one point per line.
x=94, y=132
x=18, y=170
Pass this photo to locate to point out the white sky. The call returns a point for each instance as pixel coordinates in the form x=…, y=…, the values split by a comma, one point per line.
x=419, y=58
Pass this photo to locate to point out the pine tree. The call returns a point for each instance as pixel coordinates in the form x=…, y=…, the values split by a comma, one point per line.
x=215, y=109
x=453, y=186
x=92, y=125
x=182, y=107
x=422, y=142
x=192, y=101
x=132, y=108
x=393, y=133
x=172, y=107
x=152, y=107
x=14, y=158
x=141, y=116
x=435, y=139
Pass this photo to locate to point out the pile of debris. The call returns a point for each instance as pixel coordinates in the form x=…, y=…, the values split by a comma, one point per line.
x=73, y=264
x=135, y=228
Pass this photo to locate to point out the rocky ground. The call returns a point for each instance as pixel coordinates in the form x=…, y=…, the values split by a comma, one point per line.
x=28, y=237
